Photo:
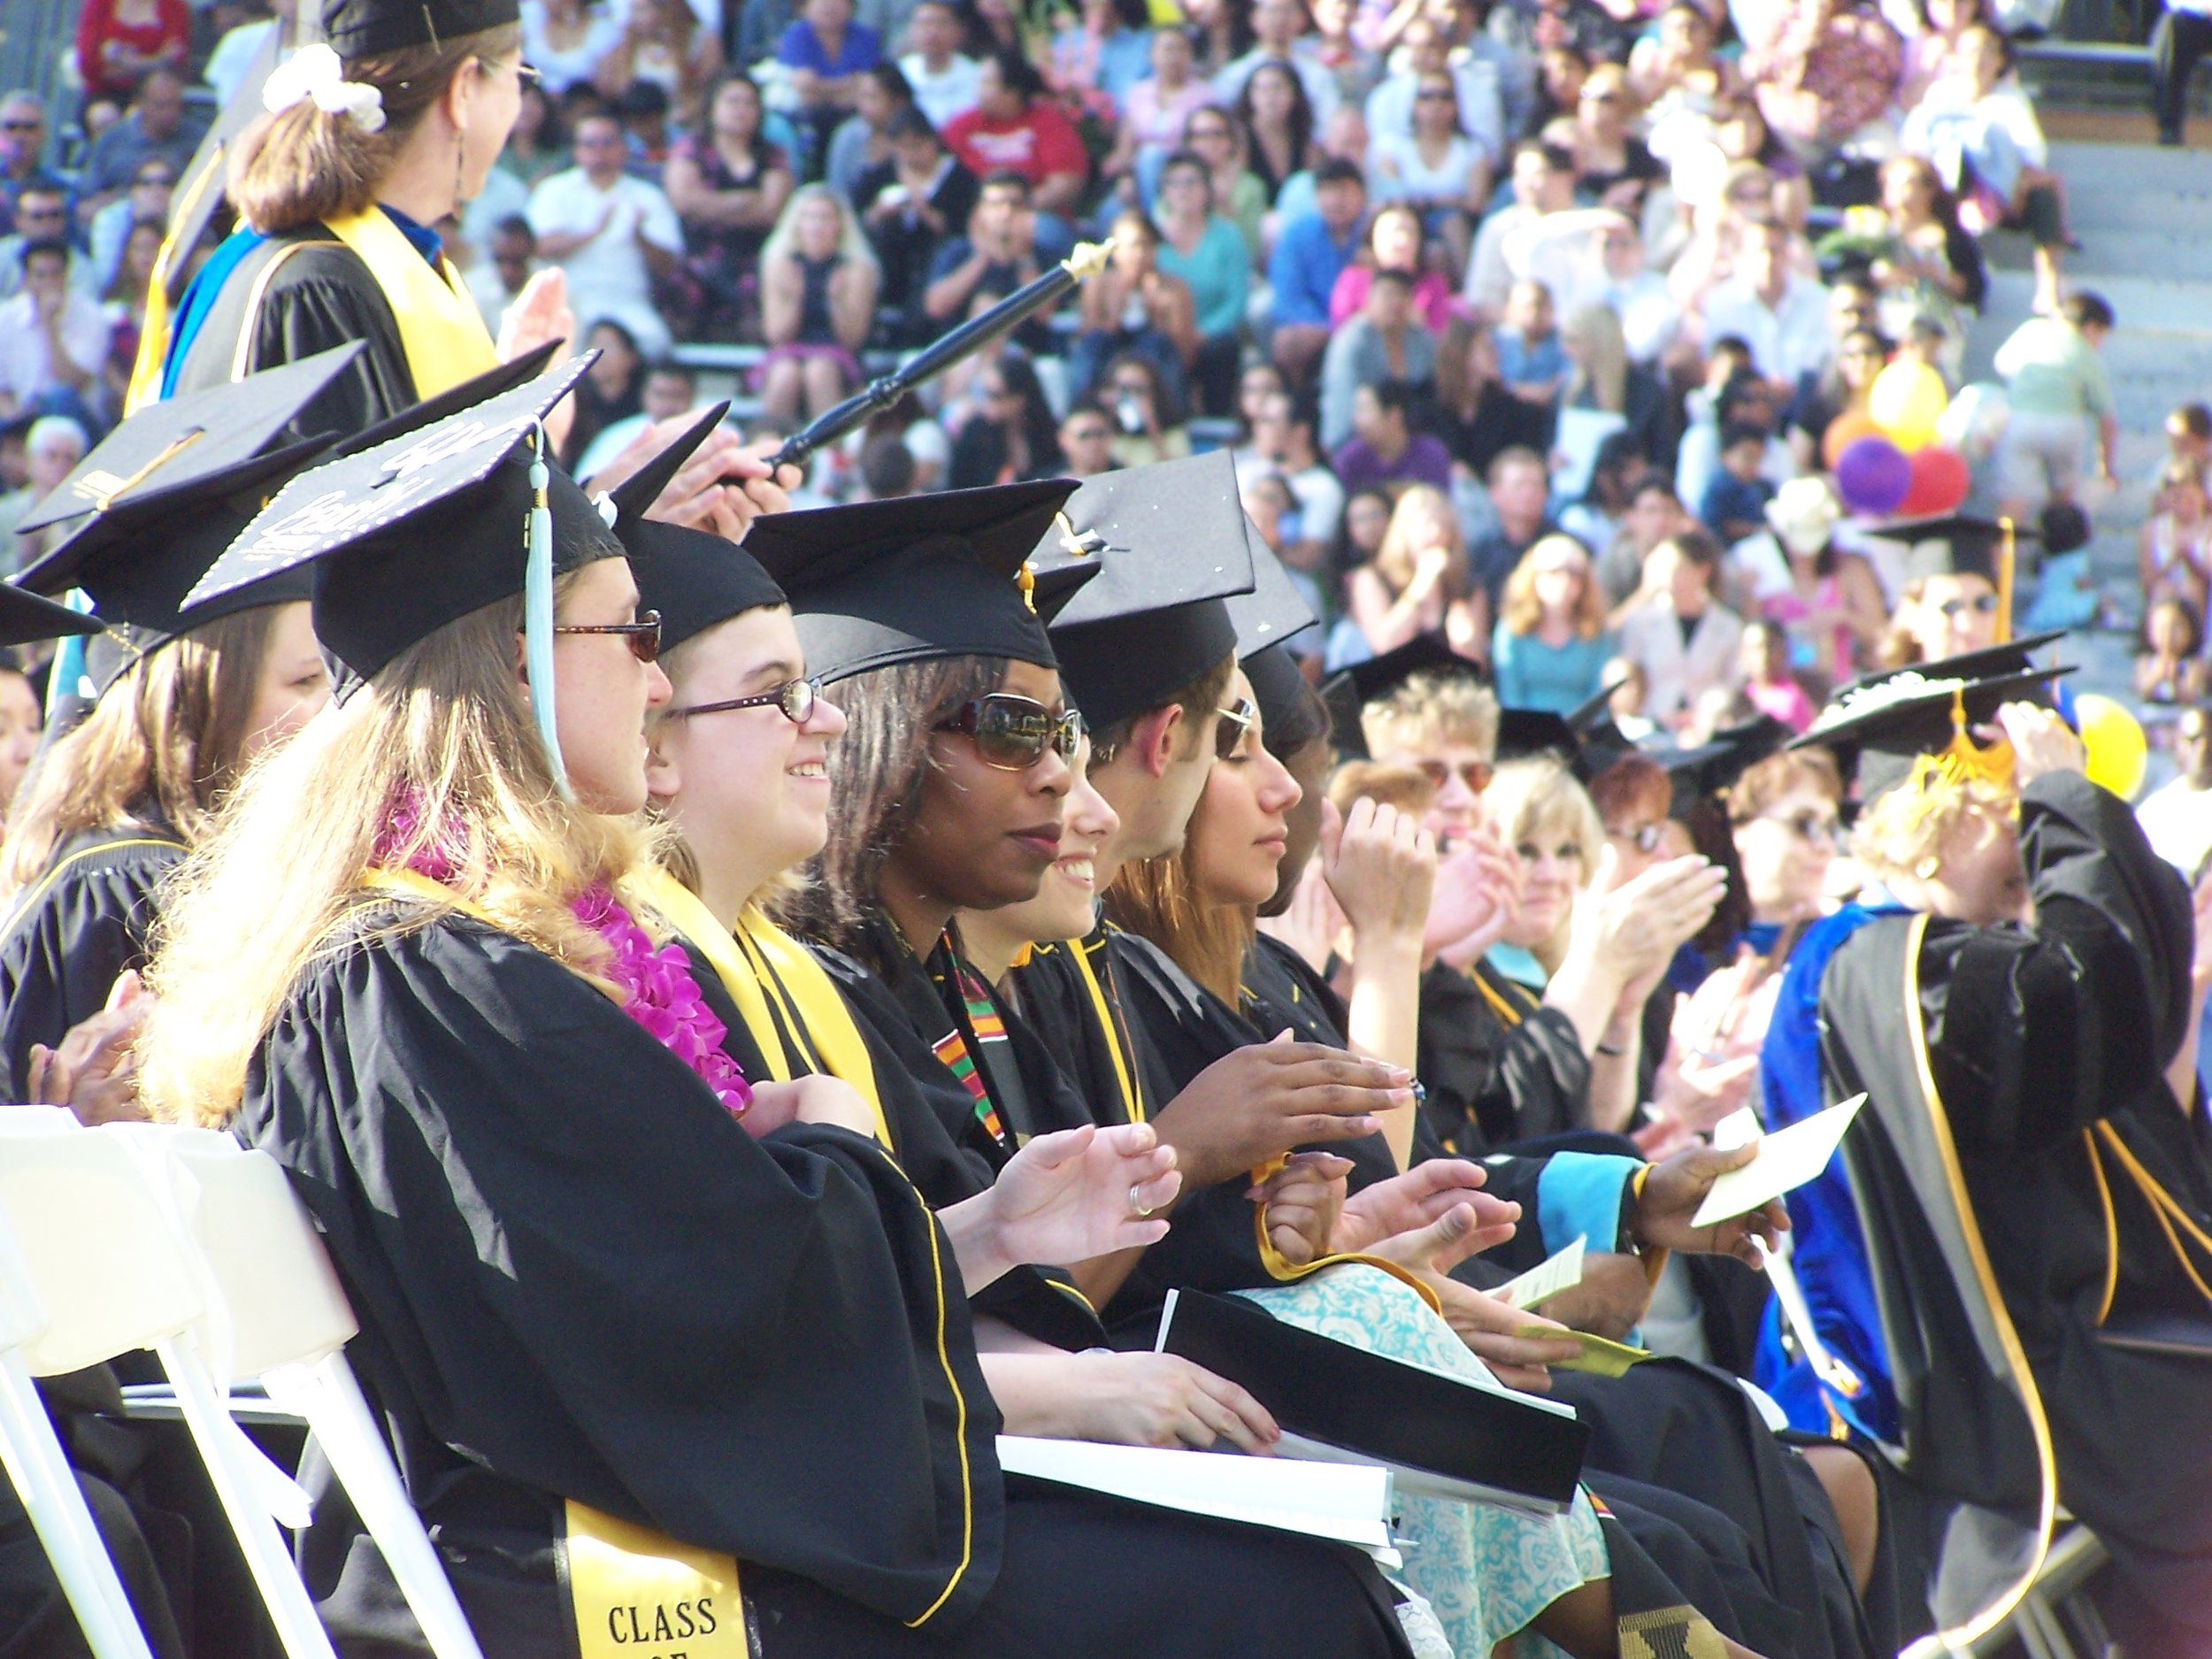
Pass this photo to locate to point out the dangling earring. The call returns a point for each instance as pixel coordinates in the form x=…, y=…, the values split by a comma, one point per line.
x=1926, y=868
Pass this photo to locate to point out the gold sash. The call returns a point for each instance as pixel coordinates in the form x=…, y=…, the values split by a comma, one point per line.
x=636, y=1592
x=440, y=327
x=760, y=962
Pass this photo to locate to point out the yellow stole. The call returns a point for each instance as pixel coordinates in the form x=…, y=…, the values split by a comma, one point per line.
x=630, y=1586
x=759, y=963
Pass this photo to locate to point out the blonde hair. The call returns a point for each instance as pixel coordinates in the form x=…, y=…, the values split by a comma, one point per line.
x=1537, y=794
x=1431, y=709
x=1902, y=828
x=165, y=737
x=1519, y=608
x=852, y=246
x=305, y=165
x=1396, y=558
x=1604, y=355
x=265, y=897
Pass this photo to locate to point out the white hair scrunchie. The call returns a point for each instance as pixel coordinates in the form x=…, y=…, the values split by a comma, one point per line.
x=316, y=72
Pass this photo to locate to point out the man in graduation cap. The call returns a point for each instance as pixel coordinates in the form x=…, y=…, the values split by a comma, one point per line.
x=1953, y=580
x=2018, y=1275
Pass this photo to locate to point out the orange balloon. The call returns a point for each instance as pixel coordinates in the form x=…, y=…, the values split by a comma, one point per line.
x=1845, y=430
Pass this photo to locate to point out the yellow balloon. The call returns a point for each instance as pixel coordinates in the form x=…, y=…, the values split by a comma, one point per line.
x=2114, y=738
x=1906, y=402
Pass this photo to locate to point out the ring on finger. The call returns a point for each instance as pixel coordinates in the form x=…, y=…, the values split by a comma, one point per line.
x=1137, y=1205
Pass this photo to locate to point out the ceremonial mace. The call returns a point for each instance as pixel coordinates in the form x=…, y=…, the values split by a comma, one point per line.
x=1088, y=259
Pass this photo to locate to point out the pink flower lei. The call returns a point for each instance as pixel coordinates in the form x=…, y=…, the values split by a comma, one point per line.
x=657, y=989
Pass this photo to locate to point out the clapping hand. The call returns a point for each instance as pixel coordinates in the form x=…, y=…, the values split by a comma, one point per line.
x=1476, y=890
x=1300, y=1203
x=1381, y=866
x=95, y=1072
x=1424, y=1196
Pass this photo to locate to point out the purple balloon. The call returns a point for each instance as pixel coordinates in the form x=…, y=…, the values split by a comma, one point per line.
x=1872, y=475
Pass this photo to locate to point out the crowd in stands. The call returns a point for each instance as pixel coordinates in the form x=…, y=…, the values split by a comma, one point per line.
x=1619, y=272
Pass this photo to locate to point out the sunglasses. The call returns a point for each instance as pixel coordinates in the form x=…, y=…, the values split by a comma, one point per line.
x=795, y=697
x=1434, y=94
x=1088, y=435
x=1474, y=773
x=1012, y=732
x=644, y=634
x=1235, y=721
x=1644, y=837
x=1953, y=609
x=21, y=126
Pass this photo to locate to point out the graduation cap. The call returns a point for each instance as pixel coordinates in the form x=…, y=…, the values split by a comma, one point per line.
x=1712, y=767
x=25, y=618
x=493, y=382
x=383, y=581
x=1956, y=545
x=363, y=28
x=1526, y=731
x=1349, y=692
x=1174, y=545
x=878, y=583
x=164, y=453
x=1885, y=725
x=1264, y=619
x=693, y=577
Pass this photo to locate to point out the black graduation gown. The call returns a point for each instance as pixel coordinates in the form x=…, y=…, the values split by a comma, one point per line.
x=577, y=1275
x=1739, y=1501
x=2090, y=1190
x=318, y=298
x=1491, y=1080
x=84, y=921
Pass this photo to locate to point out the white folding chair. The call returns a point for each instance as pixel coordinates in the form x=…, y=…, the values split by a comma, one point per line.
x=275, y=1310
x=102, y=1246
x=32, y=1453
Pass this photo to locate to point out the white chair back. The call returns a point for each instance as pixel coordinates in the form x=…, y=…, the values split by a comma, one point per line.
x=30, y=1451
x=276, y=1310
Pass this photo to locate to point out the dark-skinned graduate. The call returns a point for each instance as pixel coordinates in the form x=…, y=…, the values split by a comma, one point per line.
x=2028, y=1177
x=365, y=142
x=415, y=967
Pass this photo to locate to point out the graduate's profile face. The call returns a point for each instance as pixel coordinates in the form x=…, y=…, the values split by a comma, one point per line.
x=1980, y=879
x=1241, y=829
x=983, y=836
x=484, y=102
x=602, y=691
x=746, y=785
x=20, y=726
x=1066, y=905
x=293, y=687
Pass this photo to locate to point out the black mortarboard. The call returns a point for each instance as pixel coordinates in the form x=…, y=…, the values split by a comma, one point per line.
x=26, y=616
x=1524, y=731
x=1713, y=766
x=162, y=453
x=921, y=576
x=1349, y=691
x=1879, y=723
x=363, y=28
x=1273, y=612
x=384, y=582
x=482, y=389
x=1956, y=545
x=693, y=578
x=1174, y=545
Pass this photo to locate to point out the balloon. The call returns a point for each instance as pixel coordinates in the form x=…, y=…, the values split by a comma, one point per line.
x=1940, y=482
x=1844, y=430
x=2114, y=738
x=1872, y=476
x=1906, y=400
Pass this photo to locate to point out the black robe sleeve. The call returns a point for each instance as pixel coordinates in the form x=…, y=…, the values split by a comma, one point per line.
x=319, y=297
x=2035, y=1032
x=1489, y=1083
x=575, y=1272
x=61, y=955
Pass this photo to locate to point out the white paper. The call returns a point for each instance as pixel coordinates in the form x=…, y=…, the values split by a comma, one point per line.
x=1348, y=1500
x=1740, y=1128
x=1562, y=1270
x=1786, y=1160
x=1575, y=443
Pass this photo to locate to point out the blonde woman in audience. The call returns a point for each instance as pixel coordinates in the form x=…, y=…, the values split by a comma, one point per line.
x=1550, y=641
x=1419, y=580
x=818, y=279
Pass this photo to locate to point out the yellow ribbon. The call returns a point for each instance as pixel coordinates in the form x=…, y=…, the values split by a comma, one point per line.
x=440, y=327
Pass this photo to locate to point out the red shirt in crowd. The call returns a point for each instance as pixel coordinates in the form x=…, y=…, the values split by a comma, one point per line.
x=167, y=36
x=1041, y=143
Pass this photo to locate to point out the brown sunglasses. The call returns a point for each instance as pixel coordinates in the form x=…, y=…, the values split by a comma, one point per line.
x=644, y=634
